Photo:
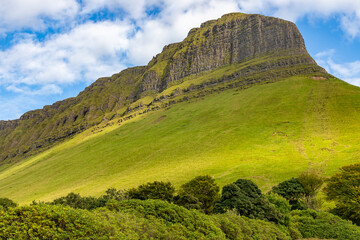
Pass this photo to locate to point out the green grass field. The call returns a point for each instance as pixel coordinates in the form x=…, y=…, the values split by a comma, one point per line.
x=268, y=133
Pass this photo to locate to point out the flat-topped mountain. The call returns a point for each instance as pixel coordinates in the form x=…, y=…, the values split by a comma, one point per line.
x=248, y=48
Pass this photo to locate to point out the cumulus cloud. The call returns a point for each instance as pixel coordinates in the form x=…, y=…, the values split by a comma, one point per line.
x=18, y=14
x=349, y=71
x=85, y=53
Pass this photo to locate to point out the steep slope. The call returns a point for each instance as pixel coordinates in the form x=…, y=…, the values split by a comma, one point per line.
x=237, y=50
x=268, y=133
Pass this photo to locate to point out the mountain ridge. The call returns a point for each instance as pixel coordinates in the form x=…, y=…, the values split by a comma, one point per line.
x=253, y=45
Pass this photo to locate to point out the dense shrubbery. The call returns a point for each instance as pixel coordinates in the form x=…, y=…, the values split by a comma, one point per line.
x=344, y=189
x=155, y=190
x=51, y=222
x=130, y=219
x=324, y=225
x=199, y=193
x=246, y=198
x=293, y=191
x=6, y=203
x=239, y=227
x=242, y=212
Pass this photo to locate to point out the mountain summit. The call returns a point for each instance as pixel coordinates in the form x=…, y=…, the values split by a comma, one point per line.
x=236, y=50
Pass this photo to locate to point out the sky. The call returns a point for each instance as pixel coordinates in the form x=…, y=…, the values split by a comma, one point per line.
x=52, y=50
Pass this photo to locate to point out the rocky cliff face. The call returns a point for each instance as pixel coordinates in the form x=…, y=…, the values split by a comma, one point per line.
x=232, y=39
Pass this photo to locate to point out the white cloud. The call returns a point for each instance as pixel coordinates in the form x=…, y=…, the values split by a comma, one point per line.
x=349, y=72
x=18, y=14
x=348, y=11
x=48, y=89
x=87, y=52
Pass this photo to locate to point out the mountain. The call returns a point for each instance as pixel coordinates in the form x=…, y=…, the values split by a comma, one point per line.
x=248, y=45
x=238, y=97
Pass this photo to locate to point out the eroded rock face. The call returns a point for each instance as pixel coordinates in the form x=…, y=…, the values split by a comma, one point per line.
x=231, y=39
x=234, y=38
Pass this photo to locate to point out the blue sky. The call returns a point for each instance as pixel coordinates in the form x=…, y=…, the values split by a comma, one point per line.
x=51, y=50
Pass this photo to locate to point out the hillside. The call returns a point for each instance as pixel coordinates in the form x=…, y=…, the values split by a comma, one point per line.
x=249, y=49
x=239, y=97
x=268, y=133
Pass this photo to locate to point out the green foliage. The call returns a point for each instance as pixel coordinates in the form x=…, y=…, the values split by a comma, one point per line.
x=199, y=193
x=323, y=225
x=7, y=203
x=291, y=190
x=74, y=200
x=282, y=205
x=193, y=224
x=130, y=219
x=155, y=190
x=311, y=181
x=114, y=194
x=344, y=189
x=51, y=222
x=240, y=227
x=246, y=198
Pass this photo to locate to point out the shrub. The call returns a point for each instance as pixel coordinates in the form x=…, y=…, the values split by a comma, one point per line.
x=7, y=203
x=52, y=222
x=313, y=224
x=114, y=194
x=344, y=189
x=246, y=198
x=199, y=193
x=240, y=227
x=193, y=224
x=293, y=191
x=282, y=205
x=311, y=181
x=155, y=190
x=74, y=200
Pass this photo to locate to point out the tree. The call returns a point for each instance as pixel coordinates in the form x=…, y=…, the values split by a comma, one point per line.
x=155, y=190
x=199, y=193
x=311, y=181
x=246, y=198
x=7, y=203
x=74, y=200
x=344, y=189
x=114, y=194
x=291, y=190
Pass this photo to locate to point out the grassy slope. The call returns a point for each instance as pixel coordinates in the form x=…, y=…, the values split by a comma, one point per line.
x=268, y=133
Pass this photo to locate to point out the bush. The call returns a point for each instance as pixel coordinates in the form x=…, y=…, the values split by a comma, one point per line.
x=52, y=222
x=114, y=194
x=311, y=181
x=155, y=190
x=239, y=227
x=246, y=198
x=199, y=193
x=324, y=225
x=193, y=224
x=74, y=200
x=7, y=203
x=293, y=191
x=282, y=205
x=344, y=189
x=182, y=223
